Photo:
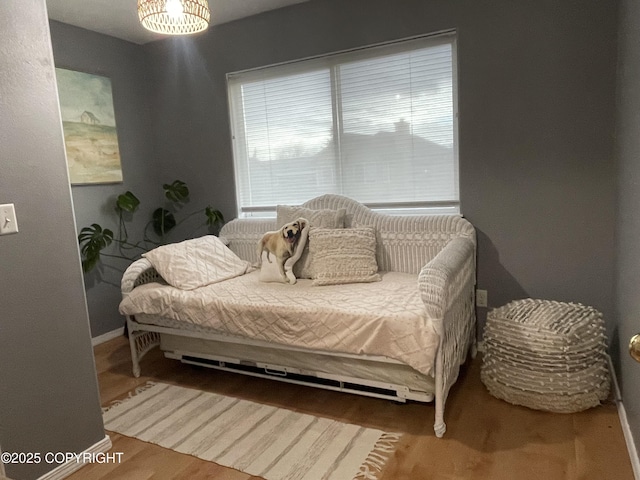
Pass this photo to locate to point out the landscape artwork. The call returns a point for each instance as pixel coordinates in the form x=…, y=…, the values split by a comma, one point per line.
x=89, y=124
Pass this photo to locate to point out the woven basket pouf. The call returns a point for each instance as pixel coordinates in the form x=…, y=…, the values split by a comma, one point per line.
x=546, y=355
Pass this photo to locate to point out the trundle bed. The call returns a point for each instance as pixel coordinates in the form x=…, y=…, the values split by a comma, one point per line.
x=401, y=334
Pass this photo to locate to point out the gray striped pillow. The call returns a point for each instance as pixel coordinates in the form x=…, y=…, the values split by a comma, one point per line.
x=325, y=218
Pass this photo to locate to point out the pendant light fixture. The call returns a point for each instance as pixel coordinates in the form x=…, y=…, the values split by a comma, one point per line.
x=174, y=17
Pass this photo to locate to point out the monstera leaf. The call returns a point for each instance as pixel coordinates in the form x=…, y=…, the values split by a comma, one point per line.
x=127, y=202
x=214, y=217
x=92, y=240
x=176, y=191
x=162, y=221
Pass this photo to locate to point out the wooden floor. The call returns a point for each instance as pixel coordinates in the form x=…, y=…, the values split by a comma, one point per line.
x=486, y=438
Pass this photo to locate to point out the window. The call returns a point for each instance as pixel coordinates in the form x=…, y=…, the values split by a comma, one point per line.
x=376, y=124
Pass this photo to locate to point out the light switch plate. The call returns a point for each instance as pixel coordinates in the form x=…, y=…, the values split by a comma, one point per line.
x=481, y=298
x=8, y=221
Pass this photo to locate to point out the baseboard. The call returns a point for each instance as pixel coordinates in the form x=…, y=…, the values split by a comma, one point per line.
x=2, y=472
x=624, y=423
x=628, y=437
x=105, y=337
x=66, y=469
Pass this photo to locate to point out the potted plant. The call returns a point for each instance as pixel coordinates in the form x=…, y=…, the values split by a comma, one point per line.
x=94, y=239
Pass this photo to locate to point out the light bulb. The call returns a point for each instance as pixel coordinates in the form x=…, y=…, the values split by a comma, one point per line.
x=174, y=8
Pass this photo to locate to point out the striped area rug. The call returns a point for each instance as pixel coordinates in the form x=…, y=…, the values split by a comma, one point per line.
x=261, y=440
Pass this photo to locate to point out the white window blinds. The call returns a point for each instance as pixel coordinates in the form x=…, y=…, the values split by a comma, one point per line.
x=377, y=125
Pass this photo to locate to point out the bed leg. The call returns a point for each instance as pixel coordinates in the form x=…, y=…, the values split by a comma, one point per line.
x=439, y=427
x=140, y=342
x=135, y=361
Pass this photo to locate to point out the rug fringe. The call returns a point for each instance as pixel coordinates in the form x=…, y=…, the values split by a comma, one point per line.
x=372, y=466
x=139, y=389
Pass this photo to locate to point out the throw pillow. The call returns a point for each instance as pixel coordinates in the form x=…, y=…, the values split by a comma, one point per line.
x=197, y=262
x=270, y=272
x=343, y=255
x=324, y=218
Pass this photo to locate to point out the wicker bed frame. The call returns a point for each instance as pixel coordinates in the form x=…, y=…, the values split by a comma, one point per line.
x=439, y=249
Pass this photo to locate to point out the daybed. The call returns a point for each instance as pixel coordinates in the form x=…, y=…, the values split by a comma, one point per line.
x=403, y=337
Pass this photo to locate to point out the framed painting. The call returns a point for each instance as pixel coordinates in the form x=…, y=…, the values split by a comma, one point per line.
x=89, y=124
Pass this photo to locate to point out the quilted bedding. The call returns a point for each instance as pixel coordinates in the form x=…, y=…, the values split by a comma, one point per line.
x=383, y=318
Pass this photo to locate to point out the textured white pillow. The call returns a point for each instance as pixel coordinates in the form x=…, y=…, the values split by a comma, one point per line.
x=345, y=255
x=196, y=263
x=324, y=218
x=270, y=272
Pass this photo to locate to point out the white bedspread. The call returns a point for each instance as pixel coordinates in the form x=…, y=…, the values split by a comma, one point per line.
x=383, y=318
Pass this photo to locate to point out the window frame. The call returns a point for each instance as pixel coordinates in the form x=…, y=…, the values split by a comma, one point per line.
x=329, y=61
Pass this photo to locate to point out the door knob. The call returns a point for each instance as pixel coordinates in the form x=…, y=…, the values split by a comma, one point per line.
x=634, y=347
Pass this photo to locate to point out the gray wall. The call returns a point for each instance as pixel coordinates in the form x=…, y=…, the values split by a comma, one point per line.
x=124, y=64
x=536, y=100
x=48, y=387
x=628, y=259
